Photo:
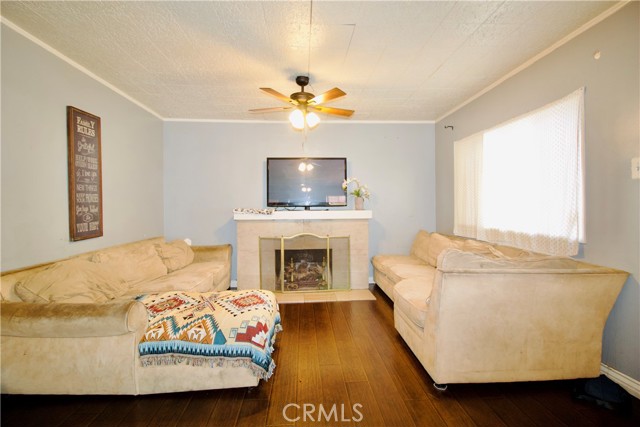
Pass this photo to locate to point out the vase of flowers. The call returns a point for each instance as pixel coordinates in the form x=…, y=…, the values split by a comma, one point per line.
x=360, y=192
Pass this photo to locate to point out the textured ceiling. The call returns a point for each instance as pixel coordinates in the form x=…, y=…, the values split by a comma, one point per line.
x=396, y=60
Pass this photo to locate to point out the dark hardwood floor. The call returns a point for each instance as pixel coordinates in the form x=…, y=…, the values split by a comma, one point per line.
x=341, y=364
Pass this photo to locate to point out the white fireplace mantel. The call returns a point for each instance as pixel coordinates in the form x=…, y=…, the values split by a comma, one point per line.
x=345, y=223
x=304, y=215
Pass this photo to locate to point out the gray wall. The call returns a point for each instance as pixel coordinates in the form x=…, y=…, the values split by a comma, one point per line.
x=36, y=89
x=612, y=140
x=212, y=168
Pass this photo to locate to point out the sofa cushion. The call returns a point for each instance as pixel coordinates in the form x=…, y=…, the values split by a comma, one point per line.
x=72, y=281
x=400, y=272
x=410, y=297
x=133, y=264
x=196, y=277
x=9, y=281
x=420, y=246
x=383, y=263
x=438, y=243
x=175, y=255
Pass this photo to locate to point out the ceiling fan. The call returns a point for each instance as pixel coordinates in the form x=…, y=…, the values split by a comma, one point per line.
x=305, y=104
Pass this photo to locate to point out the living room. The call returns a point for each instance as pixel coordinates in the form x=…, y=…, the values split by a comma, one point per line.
x=182, y=177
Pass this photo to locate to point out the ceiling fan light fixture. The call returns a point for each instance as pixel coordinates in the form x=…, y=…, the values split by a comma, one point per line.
x=296, y=118
x=312, y=120
x=305, y=105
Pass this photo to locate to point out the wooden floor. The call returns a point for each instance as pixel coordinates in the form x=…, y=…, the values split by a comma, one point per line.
x=343, y=357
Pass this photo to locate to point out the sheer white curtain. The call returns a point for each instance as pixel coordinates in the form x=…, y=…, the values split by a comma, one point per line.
x=522, y=182
x=467, y=182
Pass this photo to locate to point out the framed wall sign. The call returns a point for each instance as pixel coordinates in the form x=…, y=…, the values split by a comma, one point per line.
x=85, y=175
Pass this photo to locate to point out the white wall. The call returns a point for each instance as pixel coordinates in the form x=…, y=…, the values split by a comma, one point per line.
x=212, y=168
x=612, y=139
x=36, y=89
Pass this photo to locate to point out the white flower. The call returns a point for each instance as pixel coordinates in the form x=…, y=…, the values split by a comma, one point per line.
x=359, y=191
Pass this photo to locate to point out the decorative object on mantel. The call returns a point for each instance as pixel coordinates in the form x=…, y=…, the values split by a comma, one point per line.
x=85, y=175
x=360, y=192
x=267, y=211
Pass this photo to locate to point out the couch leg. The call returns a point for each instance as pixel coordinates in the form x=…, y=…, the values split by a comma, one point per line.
x=440, y=387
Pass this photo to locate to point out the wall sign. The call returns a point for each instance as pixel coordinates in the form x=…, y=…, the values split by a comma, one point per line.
x=85, y=175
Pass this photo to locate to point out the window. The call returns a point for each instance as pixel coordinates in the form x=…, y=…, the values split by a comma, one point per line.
x=522, y=182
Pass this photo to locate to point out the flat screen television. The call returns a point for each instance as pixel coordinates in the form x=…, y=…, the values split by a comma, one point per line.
x=307, y=182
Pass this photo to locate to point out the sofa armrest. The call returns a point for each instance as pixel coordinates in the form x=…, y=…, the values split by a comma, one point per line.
x=220, y=253
x=62, y=320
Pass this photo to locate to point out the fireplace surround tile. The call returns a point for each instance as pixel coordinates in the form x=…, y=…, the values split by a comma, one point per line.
x=354, y=224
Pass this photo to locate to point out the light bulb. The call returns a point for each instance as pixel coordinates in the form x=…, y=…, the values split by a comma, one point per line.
x=302, y=167
x=312, y=120
x=297, y=119
x=309, y=166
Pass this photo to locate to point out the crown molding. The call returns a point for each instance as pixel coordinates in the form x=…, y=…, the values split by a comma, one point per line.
x=75, y=65
x=513, y=72
x=336, y=122
x=604, y=15
x=100, y=80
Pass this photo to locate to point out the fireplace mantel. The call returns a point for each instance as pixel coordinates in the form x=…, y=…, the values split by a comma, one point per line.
x=304, y=215
x=348, y=223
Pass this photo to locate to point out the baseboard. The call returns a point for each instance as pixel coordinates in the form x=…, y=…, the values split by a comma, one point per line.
x=624, y=381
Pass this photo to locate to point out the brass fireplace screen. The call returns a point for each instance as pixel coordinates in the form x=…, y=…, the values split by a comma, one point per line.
x=304, y=262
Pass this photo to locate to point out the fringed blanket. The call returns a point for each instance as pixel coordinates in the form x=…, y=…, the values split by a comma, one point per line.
x=230, y=328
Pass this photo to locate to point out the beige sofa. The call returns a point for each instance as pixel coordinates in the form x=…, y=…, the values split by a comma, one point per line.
x=73, y=326
x=473, y=312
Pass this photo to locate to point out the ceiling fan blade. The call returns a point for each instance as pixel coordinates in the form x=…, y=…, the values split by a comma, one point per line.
x=329, y=95
x=276, y=94
x=332, y=110
x=270, y=109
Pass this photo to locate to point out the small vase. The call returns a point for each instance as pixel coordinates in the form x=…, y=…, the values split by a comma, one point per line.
x=359, y=203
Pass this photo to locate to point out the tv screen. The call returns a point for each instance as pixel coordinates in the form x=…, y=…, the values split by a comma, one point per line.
x=306, y=182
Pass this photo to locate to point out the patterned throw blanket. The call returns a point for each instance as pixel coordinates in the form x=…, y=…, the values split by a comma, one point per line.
x=212, y=328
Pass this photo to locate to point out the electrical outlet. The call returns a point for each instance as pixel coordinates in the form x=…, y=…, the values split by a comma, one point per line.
x=635, y=168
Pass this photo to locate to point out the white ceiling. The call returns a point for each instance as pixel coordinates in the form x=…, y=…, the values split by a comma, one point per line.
x=397, y=60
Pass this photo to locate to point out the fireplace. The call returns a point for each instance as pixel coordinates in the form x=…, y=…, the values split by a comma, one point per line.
x=304, y=269
x=310, y=263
